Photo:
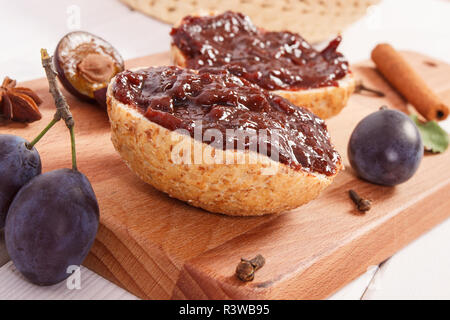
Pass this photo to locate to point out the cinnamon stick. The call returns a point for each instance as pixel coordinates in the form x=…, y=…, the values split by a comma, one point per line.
x=404, y=79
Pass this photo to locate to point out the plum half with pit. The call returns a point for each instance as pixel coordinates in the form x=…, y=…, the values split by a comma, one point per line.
x=85, y=64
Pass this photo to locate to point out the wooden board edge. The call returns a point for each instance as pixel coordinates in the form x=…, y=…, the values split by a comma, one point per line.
x=326, y=276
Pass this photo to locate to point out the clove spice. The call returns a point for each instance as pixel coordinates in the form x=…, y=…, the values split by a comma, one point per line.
x=363, y=205
x=360, y=86
x=246, y=269
x=430, y=64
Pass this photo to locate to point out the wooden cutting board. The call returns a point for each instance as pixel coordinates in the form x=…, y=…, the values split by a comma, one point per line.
x=160, y=248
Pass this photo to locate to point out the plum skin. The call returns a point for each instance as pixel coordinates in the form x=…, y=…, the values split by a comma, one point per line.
x=385, y=148
x=51, y=225
x=18, y=165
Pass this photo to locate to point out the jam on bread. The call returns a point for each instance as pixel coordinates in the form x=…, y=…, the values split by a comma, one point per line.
x=213, y=98
x=272, y=60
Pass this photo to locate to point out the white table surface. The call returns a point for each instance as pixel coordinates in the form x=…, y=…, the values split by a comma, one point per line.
x=419, y=271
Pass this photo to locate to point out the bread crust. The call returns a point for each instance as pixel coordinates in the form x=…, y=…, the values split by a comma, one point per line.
x=324, y=102
x=256, y=187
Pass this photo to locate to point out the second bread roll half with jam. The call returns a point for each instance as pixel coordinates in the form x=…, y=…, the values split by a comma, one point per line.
x=281, y=62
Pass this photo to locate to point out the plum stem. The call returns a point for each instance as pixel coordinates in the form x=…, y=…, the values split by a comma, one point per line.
x=43, y=132
x=74, y=152
x=62, y=107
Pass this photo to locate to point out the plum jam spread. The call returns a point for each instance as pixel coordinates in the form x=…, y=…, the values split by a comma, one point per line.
x=213, y=98
x=273, y=60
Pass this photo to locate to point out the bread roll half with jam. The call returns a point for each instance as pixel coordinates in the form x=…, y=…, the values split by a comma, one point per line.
x=219, y=142
x=281, y=62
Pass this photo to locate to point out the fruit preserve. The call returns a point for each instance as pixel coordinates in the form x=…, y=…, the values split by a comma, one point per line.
x=273, y=60
x=213, y=98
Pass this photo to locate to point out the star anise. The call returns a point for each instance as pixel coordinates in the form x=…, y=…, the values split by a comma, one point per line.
x=18, y=103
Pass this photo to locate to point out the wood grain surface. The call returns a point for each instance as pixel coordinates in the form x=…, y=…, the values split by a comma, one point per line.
x=160, y=248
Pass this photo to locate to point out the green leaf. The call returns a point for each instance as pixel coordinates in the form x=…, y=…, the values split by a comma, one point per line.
x=435, y=139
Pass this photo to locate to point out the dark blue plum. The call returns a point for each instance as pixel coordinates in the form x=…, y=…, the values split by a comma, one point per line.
x=18, y=165
x=51, y=225
x=385, y=148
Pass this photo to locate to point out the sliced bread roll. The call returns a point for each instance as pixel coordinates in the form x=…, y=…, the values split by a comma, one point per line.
x=324, y=102
x=325, y=98
x=250, y=184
